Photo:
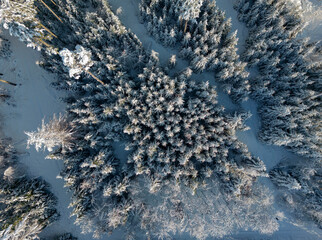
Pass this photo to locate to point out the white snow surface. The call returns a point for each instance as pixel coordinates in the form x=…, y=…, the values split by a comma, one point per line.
x=34, y=98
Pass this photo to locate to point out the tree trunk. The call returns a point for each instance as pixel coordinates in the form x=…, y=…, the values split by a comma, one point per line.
x=53, y=2
x=51, y=10
x=11, y=83
x=185, y=26
x=43, y=42
x=96, y=78
x=48, y=30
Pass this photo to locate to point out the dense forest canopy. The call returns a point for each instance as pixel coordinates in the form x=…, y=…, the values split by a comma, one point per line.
x=185, y=168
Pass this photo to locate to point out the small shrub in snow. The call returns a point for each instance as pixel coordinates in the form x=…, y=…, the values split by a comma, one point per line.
x=5, y=51
x=66, y=236
x=172, y=62
x=119, y=11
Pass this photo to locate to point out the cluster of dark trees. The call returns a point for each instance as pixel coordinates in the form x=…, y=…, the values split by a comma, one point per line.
x=288, y=85
x=288, y=88
x=26, y=205
x=186, y=170
x=203, y=36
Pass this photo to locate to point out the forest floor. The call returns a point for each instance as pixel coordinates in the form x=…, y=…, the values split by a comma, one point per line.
x=34, y=99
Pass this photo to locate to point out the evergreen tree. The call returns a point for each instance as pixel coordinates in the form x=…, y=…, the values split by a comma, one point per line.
x=77, y=62
x=56, y=133
x=27, y=206
x=188, y=10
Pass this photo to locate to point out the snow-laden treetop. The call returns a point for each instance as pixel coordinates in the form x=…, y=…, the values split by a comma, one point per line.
x=77, y=61
x=15, y=12
x=189, y=9
x=19, y=17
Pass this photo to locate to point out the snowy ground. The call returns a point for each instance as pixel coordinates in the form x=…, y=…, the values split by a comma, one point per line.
x=34, y=98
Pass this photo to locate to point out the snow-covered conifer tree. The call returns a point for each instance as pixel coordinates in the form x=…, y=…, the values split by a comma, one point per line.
x=188, y=10
x=57, y=133
x=77, y=61
x=172, y=61
x=5, y=50
x=285, y=87
x=19, y=17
